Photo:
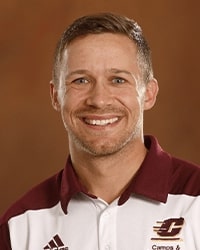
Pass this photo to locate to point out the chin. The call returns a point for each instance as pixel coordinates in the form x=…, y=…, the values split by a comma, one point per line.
x=105, y=149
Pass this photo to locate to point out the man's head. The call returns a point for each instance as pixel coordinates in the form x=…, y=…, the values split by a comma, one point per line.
x=105, y=23
x=102, y=83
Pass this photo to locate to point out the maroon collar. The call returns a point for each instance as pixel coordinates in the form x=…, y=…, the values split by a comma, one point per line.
x=70, y=185
x=151, y=180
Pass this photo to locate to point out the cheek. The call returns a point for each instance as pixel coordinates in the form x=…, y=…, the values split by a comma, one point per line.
x=67, y=98
x=134, y=108
x=71, y=100
x=130, y=99
x=66, y=104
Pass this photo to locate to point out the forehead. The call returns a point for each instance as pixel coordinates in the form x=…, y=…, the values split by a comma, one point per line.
x=105, y=39
x=105, y=48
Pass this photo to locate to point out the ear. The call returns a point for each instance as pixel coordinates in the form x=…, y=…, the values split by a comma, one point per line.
x=54, y=96
x=151, y=94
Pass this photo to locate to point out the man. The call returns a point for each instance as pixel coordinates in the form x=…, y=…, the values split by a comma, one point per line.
x=119, y=189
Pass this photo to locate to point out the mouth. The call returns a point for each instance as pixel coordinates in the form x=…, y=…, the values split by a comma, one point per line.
x=101, y=122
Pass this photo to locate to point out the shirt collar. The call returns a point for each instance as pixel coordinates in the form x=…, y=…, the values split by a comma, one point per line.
x=70, y=185
x=151, y=180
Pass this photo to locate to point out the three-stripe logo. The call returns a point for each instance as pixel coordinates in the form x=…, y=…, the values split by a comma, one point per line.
x=56, y=244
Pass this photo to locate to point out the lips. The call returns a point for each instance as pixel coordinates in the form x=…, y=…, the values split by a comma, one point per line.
x=101, y=122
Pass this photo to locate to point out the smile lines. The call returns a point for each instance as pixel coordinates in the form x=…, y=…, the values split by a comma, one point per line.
x=101, y=122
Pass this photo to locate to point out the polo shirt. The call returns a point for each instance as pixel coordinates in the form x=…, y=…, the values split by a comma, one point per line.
x=160, y=210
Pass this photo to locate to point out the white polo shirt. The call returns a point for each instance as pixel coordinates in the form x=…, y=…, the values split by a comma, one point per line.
x=160, y=210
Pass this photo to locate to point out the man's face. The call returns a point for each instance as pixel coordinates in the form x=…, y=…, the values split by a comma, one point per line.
x=101, y=94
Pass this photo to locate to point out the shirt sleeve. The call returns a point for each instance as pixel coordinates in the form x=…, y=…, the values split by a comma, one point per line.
x=4, y=237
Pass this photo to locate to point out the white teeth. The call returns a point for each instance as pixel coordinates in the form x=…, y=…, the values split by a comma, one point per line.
x=101, y=122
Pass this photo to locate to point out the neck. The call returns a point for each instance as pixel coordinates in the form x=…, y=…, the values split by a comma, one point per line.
x=107, y=177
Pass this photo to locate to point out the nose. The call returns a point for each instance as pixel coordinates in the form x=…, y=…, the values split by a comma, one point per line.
x=100, y=95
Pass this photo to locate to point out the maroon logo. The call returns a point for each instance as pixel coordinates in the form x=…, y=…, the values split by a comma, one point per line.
x=168, y=229
x=55, y=244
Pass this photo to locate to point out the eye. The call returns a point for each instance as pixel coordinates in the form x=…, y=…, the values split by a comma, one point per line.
x=118, y=80
x=80, y=80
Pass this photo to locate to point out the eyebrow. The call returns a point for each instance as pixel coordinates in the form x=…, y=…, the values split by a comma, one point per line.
x=119, y=71
x=112, y=70
x=78, y=72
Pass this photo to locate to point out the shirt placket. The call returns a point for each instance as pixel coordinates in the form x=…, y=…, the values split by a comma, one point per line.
x=107, y=227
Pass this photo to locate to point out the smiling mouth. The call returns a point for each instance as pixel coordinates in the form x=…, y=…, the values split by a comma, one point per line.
x=102, y=122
